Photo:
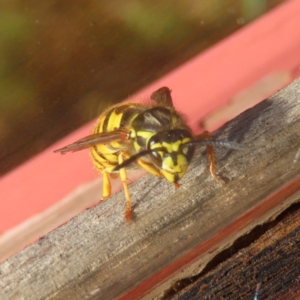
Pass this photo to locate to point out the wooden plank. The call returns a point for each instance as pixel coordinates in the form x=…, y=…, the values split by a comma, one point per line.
x=98, y=255
x=272, y=262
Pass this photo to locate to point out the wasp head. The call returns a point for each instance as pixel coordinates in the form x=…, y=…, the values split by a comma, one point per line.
x=171, y=153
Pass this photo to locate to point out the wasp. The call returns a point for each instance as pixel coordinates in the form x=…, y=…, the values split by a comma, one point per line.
x=153, y=136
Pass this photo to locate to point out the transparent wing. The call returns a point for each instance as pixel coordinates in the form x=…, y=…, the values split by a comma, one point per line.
x=95, y=139
x=163, y=96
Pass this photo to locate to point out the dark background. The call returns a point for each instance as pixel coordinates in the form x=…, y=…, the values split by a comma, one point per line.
x=63, y=62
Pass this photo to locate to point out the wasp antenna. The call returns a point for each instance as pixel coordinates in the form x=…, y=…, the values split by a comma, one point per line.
x=131, y=160
x=135, y=157
x=220, y=143
x=62, y=151
x=229, y=145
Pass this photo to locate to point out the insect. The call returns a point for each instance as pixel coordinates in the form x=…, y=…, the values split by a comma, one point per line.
x=152, y=136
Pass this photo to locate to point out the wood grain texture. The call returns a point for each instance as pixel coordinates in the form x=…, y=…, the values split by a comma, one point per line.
x=272, y=262
x=98, y=255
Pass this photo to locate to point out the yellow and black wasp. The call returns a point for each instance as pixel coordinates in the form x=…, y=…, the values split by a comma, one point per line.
x=153, y=136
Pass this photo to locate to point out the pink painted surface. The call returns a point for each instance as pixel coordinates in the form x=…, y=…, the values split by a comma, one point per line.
x=208, y=81
x=42, y=181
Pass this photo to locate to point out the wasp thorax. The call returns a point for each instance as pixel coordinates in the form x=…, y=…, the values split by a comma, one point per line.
x=171, y=152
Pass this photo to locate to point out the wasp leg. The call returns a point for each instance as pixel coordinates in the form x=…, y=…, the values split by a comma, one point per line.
x=149, y=168
x=106, y=186
x=123, y=155
x=211, y=155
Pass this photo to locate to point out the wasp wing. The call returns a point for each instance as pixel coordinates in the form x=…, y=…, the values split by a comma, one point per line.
x=163, y=96
x=95, y=139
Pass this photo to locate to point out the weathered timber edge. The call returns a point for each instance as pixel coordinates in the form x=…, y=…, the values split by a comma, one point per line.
x=272, y=262
x=98, y=255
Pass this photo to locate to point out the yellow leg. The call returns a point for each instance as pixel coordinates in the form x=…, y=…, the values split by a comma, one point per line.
x=149, y=168
x=210, y=152
x=123, y=176
x=106, y=186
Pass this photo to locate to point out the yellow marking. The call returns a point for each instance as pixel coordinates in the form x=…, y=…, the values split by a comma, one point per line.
x=137, y=147
x=174, y=119
x=96, y=156
x=100, y=122
x=168, y=165
x=144, y=134
x=176, y=145
x=114, y=121
x=107, y=154
x=106, y=186
x=182, y=162
x=116, y=145
x=156, y=145
x=106, y=166
x=186, y=140
x=172, y=146
x=132, y=134
x=169, y=176
x=98, y=166
x=169, y=169
x=168, y=146
x=104, y=149
x=134, y=116
x=185, y=150
x=149, y=167
x=107, y=162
